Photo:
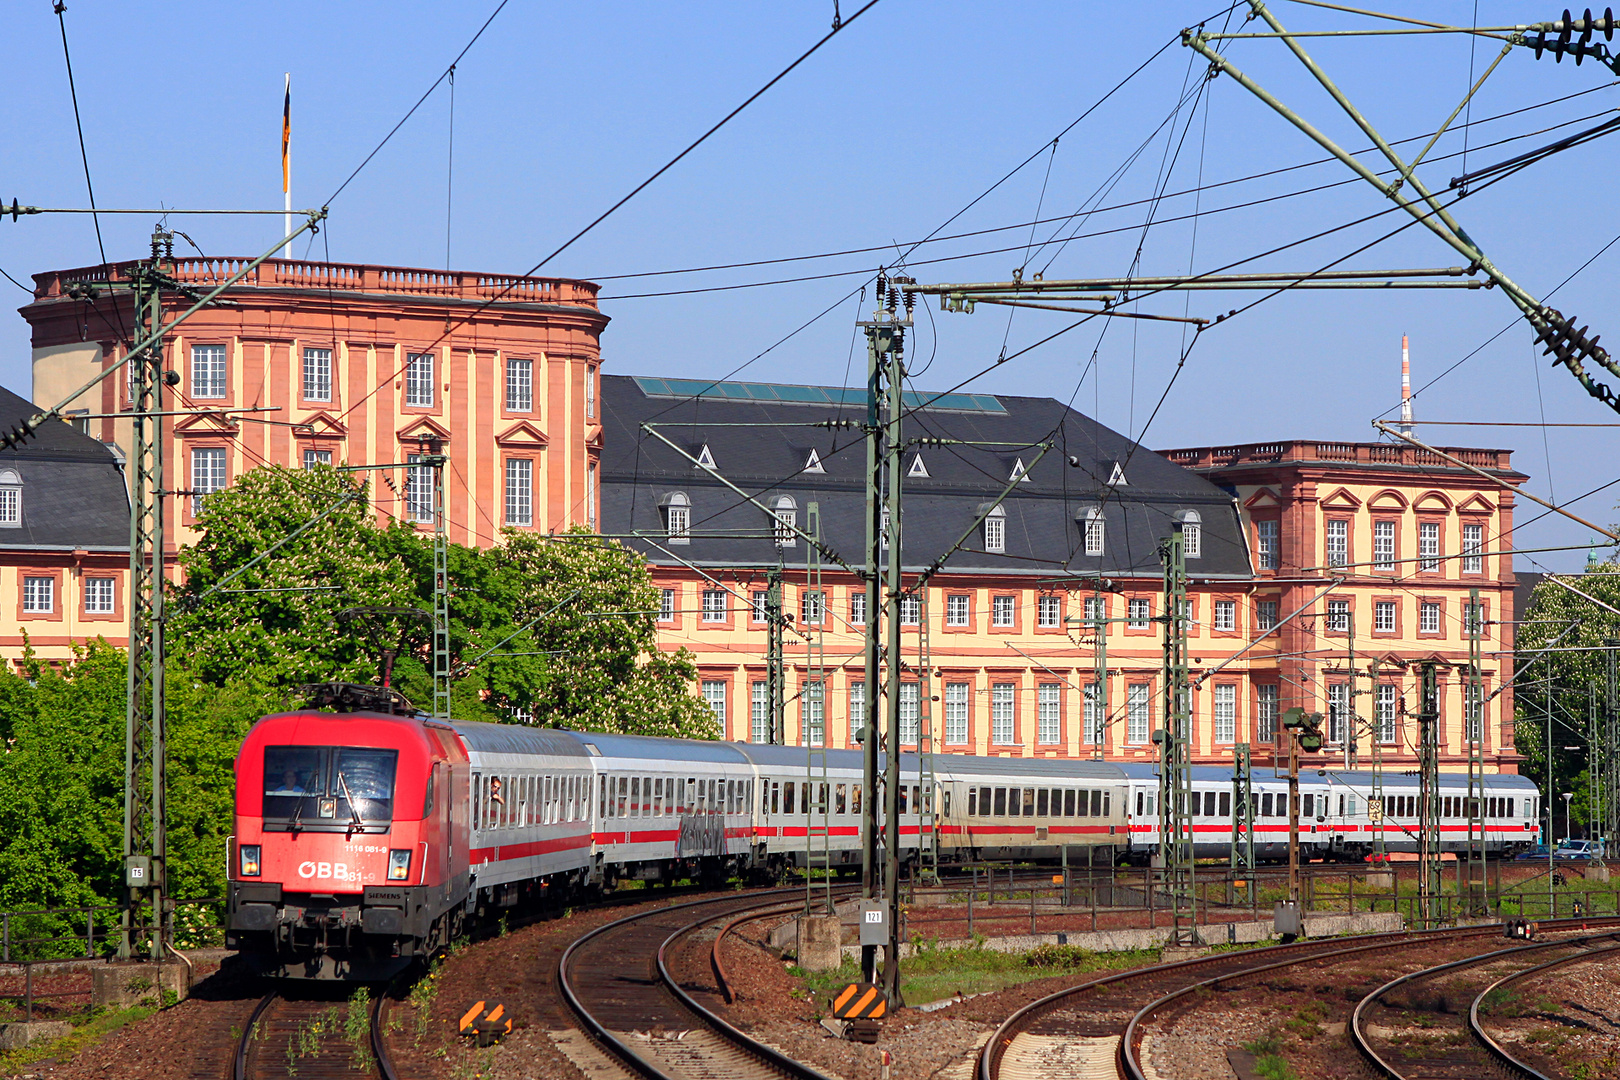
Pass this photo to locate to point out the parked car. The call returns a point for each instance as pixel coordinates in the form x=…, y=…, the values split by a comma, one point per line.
x=1539, y=851
x=1578, y=849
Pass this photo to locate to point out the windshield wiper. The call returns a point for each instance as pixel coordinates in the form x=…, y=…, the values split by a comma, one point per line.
x=354, y=825
x=298, y=811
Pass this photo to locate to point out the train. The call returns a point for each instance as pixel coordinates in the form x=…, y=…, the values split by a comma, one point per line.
x=365, y=839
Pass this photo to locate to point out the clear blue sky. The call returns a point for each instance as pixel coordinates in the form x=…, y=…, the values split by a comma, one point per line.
x=889, y=130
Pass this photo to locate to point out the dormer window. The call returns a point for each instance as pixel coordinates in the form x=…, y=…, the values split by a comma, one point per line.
x=1095, y=534
x=1192, y=534
x=10, y=499
x=678, y=517
x=786, y=512
x=995, y=530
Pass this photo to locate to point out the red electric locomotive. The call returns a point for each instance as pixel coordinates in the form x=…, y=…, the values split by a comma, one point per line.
x=350, y=854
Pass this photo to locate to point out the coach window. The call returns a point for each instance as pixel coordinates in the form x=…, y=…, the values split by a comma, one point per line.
x=1265, y=804
x=903, y=804
x=1041, y=805
x=1099, y=803
x=635, y=796
x=1226, y=804
x=787, y=797
x=1001, y=802
x=1068, y=803
x=1029, y=802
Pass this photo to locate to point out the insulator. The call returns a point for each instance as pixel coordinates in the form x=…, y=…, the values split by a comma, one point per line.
x=1540, y=43
x=1565, y=28
x=911, y=302
x=882, y=285
x=894, y=298
x=1586, y=26
x=1608, y=24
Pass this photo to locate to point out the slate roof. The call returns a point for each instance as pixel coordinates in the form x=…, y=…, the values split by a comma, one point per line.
x=1043, y=535
x=74, y=495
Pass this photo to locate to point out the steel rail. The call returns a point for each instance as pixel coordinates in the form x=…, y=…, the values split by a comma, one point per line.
x=717, y=965
x=773, y=1057
x=379, y=1044
x=991, y=1053
x=239, y=1066
x=599, y=1030
x=1358, y=1035
x=1503, y=1058
x=1130, y=1048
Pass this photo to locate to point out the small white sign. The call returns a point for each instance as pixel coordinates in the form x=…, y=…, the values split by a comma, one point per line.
x=874, y=916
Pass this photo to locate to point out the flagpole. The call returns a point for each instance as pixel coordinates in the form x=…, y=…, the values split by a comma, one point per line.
x=286, y=166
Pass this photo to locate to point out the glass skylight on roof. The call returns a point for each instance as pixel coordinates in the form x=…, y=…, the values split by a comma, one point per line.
x=780, y=393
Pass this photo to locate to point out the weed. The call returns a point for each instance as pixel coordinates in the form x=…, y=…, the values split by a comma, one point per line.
x=357, y=1030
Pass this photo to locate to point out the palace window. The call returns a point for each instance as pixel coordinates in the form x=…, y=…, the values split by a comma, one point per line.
x=419, y=380
x=519, y=385
x=1429, y=545
x=1383, y=545
x=1266, y=544
x=208, y=371
x=317, y=374
x=519, y=491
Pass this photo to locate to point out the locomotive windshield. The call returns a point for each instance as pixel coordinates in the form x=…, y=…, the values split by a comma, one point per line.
x=328, y=787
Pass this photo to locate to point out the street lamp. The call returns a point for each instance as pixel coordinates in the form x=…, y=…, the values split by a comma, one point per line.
x=1568, y=795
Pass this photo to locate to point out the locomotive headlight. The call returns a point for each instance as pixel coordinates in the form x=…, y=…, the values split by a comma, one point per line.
x=399, y=865
x=249, y=860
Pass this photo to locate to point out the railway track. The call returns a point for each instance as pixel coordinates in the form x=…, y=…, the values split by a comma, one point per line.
x=1101, y=1028
x=618, y=984
x=1413, y=1026
x=314, y=1037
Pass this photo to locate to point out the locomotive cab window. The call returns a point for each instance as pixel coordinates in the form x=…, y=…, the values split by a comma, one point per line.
x=328, y=788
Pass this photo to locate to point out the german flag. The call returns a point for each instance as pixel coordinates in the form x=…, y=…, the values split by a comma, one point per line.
x=286, y=136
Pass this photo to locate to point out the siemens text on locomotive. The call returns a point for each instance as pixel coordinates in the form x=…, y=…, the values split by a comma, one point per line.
x=364, y=840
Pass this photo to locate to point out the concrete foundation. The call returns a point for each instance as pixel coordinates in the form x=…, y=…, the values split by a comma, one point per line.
x=18, y=1035
x=122, y=985
x=1595, y=872
x=819, y=942
x=1380, y=879
x=1171, y=954
x=1143, y=938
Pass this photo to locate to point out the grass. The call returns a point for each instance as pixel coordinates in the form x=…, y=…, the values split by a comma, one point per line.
x=933, y=973
x=1268, y=1060
x=88, y=1028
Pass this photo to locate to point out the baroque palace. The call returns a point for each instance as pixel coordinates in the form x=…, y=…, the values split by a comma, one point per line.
x=1319, y=572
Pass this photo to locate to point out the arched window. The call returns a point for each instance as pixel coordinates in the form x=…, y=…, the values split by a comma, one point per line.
x=1192, y=534
x=10, y=499
x=995, y=529
x=677, y=517
x=1095, y=532
x=786, y=512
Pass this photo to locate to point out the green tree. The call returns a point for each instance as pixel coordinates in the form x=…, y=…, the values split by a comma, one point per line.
x=62, y=785
x=564, y=630
x=1559, y=683
x=559, y=631
x=277, y=621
